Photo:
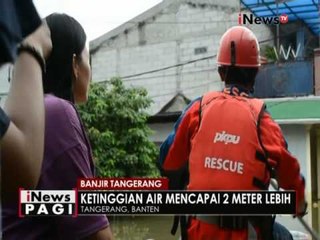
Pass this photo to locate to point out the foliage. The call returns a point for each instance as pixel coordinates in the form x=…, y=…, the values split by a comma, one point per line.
x=269, y=53
x=115, y=118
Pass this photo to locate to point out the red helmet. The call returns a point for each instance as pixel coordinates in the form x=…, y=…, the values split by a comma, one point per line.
x=239, y=47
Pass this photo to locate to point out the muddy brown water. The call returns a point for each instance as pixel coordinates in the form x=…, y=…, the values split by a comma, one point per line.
x=142, y=228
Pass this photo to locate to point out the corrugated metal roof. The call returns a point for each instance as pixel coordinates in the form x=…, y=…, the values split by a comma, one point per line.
x=304, y=10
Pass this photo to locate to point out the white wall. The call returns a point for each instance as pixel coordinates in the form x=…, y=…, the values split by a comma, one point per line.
x=298, y=138
x=168, y=38
x=4, y=84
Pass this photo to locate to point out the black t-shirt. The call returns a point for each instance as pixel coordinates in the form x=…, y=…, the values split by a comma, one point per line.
x=18, y=18
x=4, y=123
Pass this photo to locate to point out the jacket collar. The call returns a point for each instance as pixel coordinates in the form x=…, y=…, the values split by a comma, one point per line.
x=236, y=90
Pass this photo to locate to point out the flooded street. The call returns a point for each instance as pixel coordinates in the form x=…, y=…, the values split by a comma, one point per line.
x=143, y=228
x=159, y=227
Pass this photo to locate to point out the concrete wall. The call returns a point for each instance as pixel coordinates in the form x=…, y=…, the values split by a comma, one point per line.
x=298, y=139
x=4, y=84
x=169, y=37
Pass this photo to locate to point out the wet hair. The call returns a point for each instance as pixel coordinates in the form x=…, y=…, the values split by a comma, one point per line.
x=68, y=38
x=244, y=76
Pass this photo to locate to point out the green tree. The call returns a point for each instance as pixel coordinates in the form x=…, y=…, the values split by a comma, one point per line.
x=269, y=52
x=115, y=118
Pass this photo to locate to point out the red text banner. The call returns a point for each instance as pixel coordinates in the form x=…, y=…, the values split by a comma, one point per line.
x=123, y=184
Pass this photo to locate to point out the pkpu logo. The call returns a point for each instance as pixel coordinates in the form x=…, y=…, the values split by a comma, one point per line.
x=251, y=19
x=226, y=138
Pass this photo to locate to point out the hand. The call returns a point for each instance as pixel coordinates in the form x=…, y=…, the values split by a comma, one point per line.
x=40, y=40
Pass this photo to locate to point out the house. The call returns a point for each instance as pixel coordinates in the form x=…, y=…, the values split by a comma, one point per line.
x=5, y=74
x=169, y=49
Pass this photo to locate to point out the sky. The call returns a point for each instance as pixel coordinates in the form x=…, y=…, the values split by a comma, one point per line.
x=96, y=16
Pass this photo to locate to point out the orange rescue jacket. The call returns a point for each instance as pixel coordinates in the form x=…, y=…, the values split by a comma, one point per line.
x=229, y=125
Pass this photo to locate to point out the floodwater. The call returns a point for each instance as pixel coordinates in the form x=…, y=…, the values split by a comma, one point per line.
x=142, y=228
x=159, y=227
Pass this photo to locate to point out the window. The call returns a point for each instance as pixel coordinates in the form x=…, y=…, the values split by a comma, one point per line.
x=200, y=50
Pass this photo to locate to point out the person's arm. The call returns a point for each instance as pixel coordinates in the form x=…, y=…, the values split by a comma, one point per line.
x=174, y=152
x=22, y=144
x=104, y=234
x=286, y=166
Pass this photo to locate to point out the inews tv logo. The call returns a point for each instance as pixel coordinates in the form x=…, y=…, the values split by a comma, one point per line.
x=244, y=18
x=47, y=202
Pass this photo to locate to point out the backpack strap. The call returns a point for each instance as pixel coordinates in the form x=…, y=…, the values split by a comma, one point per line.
x=200, y=111
x=205, y=100
x=175, y=224
x=265, y=155
x=209, y=97
x=258, y=110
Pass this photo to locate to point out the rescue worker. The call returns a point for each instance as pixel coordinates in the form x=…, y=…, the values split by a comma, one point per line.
x=228, y=141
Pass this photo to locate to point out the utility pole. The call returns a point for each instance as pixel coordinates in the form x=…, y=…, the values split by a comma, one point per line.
x=278, y=27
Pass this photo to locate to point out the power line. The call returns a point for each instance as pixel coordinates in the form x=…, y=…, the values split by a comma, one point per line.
x=172, y=74
x=195, y=60
x=164, y=94
x=169, y=67
x=189, y=88
x=176, y=23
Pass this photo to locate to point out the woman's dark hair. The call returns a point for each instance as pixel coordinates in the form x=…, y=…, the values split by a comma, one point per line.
x=244, y=76
x=68, y=38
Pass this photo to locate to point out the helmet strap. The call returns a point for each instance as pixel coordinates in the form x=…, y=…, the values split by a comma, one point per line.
x=225, y=74
x=233, y=53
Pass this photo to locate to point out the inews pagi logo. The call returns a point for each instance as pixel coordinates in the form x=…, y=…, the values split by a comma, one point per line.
x=244, y=18
x=47, y=203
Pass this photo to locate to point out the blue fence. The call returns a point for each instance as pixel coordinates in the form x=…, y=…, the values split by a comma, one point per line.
x=286, y=80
